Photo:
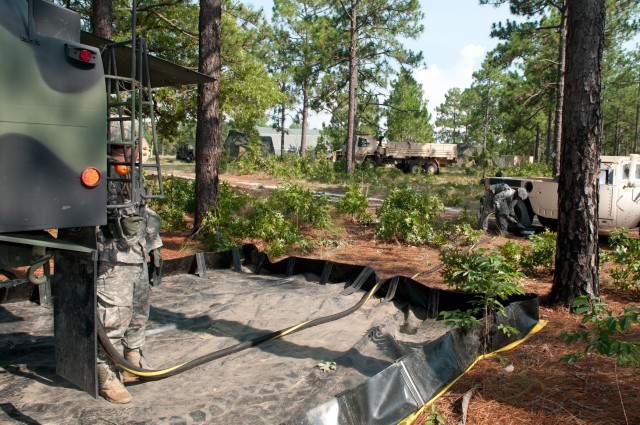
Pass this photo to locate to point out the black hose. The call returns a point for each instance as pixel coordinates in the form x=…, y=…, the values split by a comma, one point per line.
x=155, y=374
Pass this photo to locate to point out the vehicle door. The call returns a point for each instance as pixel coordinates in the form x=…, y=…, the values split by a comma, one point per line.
x=362, y=149
x=627, y=199
x=605, y=203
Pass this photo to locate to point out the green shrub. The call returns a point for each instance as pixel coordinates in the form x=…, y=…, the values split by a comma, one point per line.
x=279, y=234
x=355, y=203
x=179, y=201
x=513, y=253
x=541, y=256
x=626, y=255
x=469, y=217
x=408, y=216
x=534, y=258
x=487, y=275
x=275, y=220
x=456, y=234
x=432, y=417
x=301, y=204
x=226, y=226
x=322, y=170
x=603, y=332
x=538, y=169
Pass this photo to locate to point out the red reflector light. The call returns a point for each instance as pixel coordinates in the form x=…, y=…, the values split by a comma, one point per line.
x=90, y=177
x=85, y=55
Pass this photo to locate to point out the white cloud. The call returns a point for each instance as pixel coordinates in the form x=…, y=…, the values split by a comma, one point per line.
x=437, y=79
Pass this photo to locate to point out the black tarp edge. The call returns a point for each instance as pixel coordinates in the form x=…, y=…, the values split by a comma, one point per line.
x=411, y=382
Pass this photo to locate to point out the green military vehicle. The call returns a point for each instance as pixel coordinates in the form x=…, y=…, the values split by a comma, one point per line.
x=64, y=92
x=186, y=152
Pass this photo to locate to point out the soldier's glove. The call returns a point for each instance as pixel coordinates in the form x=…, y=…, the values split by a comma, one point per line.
x=156, y=257
x=131, y=225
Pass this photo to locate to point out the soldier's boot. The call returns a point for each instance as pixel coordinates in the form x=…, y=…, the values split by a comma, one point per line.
x=134, y=357
x=110, y=387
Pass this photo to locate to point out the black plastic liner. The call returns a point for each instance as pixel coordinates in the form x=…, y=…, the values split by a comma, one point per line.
x=410, y=382
x=381, y=379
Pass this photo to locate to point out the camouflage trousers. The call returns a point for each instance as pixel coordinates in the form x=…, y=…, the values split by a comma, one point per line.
x=502, y=214
x=123, y=305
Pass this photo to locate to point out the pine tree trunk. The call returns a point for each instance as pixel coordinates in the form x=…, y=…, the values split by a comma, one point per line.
x=576, y=271
x=547, y=151
x=353, y=87
x=635, y=137
x=282, y=130
x=305, y=120
x=101, y=18
x=209, y=126
x=536, y=147
x=557, y=129
x=616, y=136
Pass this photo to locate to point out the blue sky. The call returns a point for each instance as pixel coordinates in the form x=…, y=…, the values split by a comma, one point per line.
x=454, y=43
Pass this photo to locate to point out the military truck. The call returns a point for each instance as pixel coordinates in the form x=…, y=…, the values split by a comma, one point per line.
x=64, y=92
x=186, y=152
x=619, y=202
x=411, y=157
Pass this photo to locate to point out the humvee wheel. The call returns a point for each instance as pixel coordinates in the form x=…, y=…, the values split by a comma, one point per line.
x=522, y=213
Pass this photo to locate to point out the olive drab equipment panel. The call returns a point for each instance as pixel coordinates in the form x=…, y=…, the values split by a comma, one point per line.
x=76, y=120
x=53, y=167
x=52, y=125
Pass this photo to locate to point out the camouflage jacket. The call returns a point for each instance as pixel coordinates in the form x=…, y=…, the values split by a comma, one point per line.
x=114, y=246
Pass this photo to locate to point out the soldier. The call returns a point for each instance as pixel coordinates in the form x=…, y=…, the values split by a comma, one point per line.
x=132, y=234
x=501, y=200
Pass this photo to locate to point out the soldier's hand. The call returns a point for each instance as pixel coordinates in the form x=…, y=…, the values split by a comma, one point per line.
x=131, y=225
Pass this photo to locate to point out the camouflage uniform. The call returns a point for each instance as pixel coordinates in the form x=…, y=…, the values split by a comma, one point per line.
x=501, y=199
x=123, y=283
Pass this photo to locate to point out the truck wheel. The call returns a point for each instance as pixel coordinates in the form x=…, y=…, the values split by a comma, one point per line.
x=522, y=213
x=190, y=157
x=431, y=167
x=549, y=223
x=415, y=168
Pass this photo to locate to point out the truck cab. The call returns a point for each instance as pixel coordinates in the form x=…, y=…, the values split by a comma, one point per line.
x=366, y=147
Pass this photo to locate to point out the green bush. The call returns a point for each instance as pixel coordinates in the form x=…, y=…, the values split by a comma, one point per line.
x=226, y=226
x=603, y=332
x=179, y=201
x=487, y=275
x=458, y=234
x=541, y=257
x=538, y=169
x=409, y=216
x=355, y=203
x=322, y=170
x=626, y=255
x=301, y=204
x=278, y=233
x=534, y=258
